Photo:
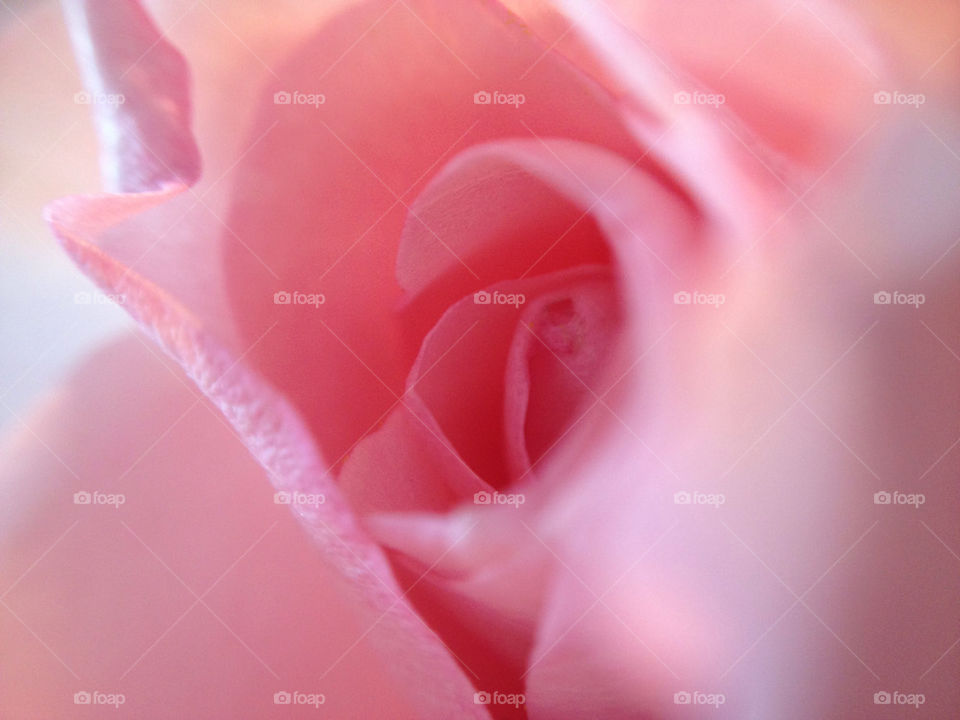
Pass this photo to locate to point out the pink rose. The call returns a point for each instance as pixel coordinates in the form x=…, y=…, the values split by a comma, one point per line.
x=605, y=353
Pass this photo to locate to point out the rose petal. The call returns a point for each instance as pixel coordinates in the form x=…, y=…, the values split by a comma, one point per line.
x=450, y=434
x=648, y=227
x=801, y=77
x=469, y=372
x=653, y=597
x=503, y=222
x=558, y=366
x=322, y=196
x=105, y=598
x=649, y=245
x=475, y=584
x=143, y=109
x=92, y=229
x=406, y=465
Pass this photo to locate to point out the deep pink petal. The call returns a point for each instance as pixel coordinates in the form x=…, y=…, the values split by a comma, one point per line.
x=558, y=367
x=649, y=228
x=322, y=195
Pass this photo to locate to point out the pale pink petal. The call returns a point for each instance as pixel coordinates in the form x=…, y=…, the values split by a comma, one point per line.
x=406, y=464
x=270, y=428
x=498, y=221
x=105, y=598
x=656, y=597
x=801, y=77
x=477, y=580
x=142, y=101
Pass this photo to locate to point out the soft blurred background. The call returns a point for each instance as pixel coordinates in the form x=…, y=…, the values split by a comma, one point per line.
x=47, y=149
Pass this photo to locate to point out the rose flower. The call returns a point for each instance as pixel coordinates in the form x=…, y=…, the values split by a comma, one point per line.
x=527, y=359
